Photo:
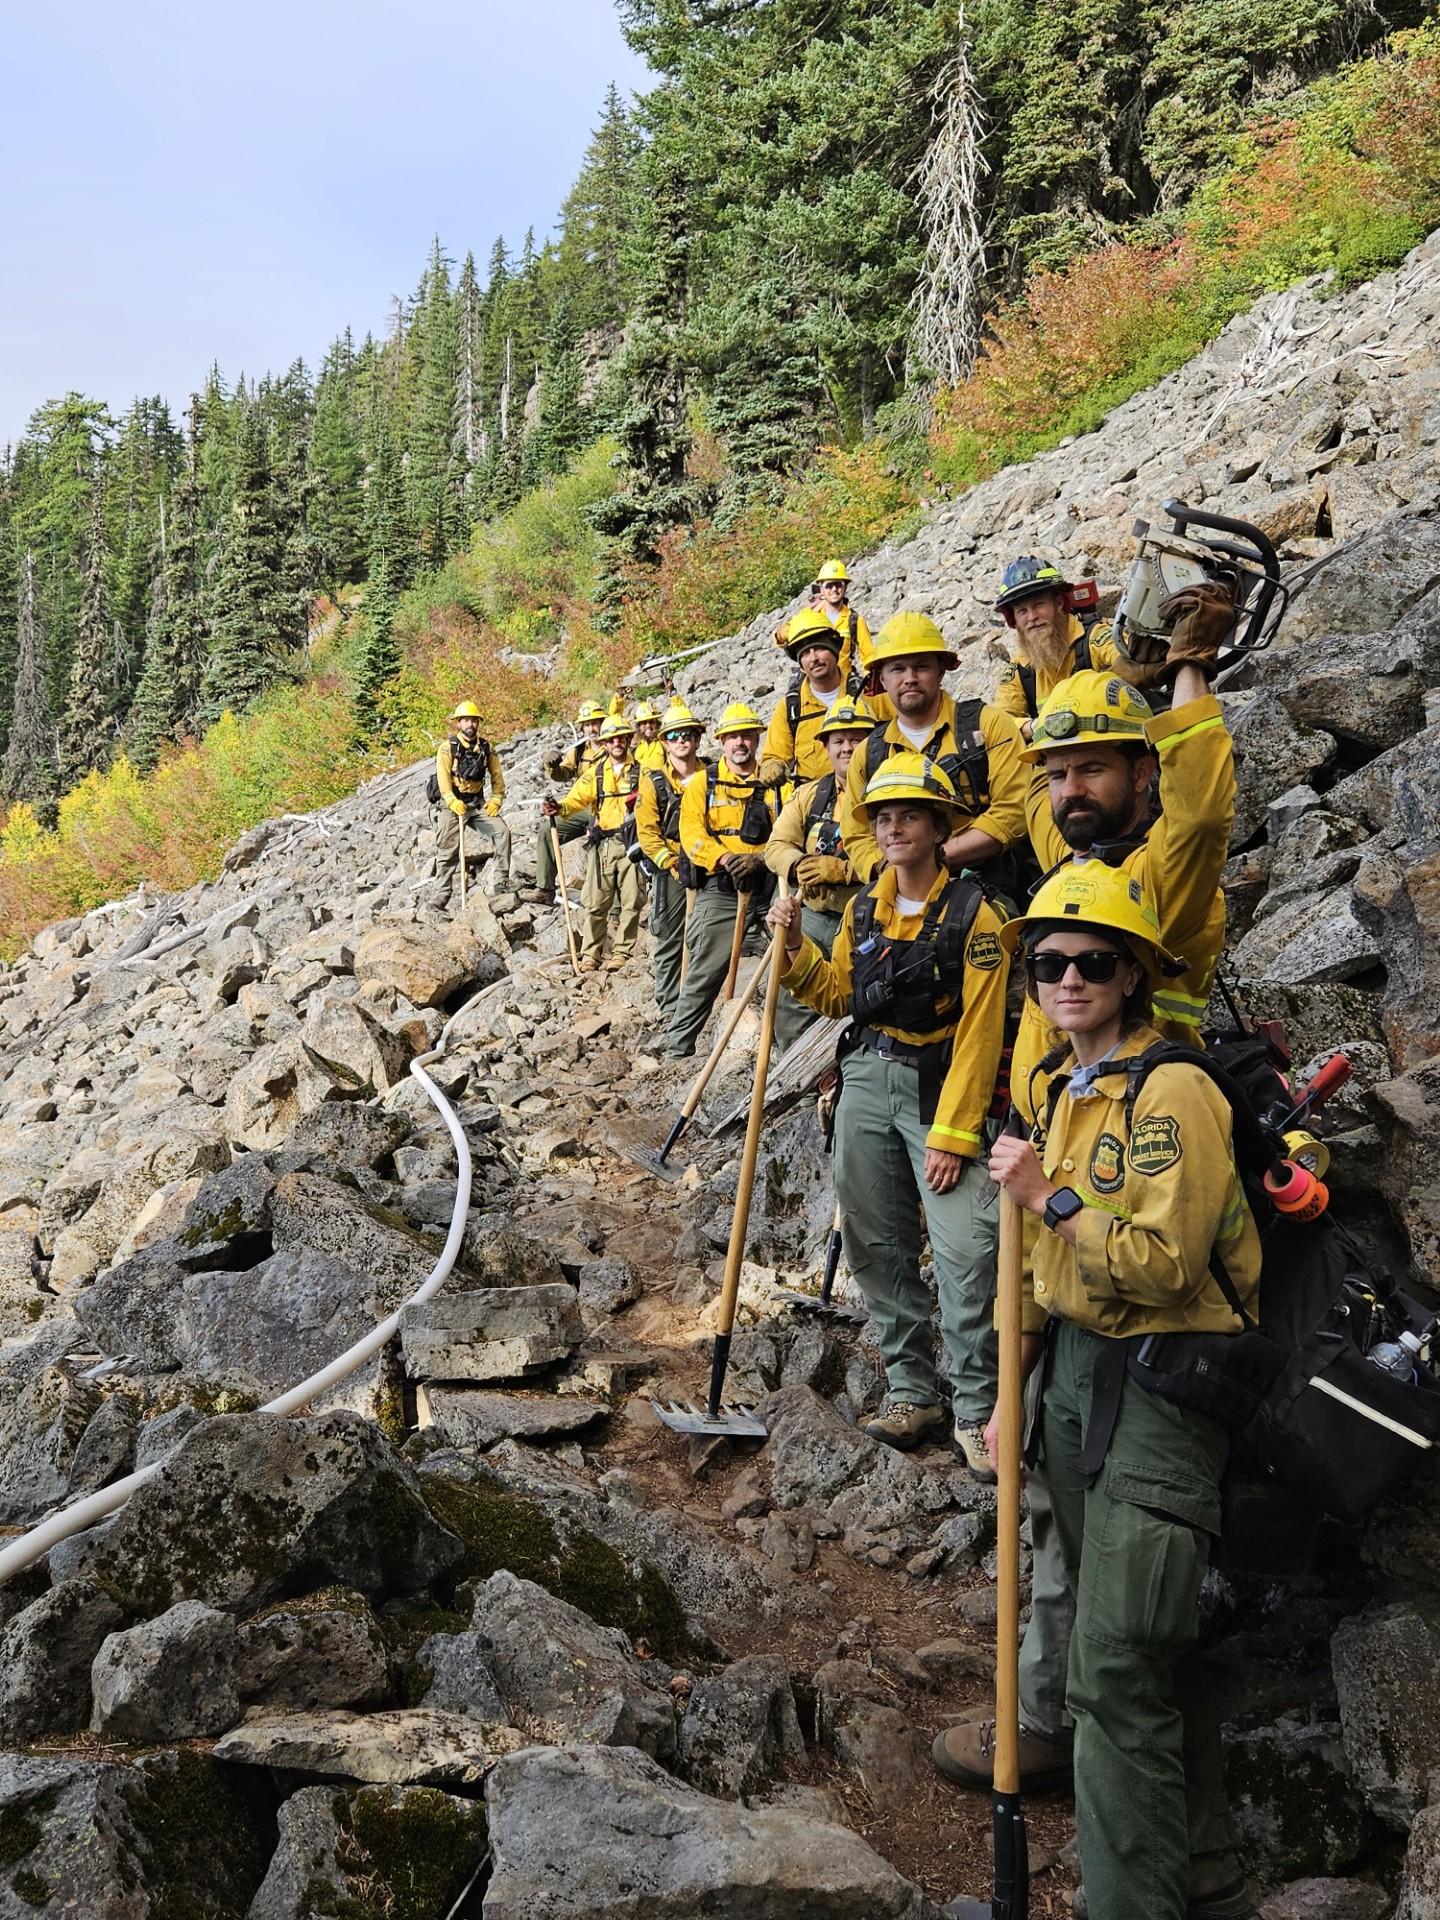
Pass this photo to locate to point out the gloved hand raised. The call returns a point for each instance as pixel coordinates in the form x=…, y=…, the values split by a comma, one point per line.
x=1206, y=618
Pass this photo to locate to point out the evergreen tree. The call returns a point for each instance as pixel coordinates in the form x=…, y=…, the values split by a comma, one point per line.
x=428, y=443
x=559, y=429
x=167, y=699
x=67, y=439
x=379, y=656
x=336, y=466
x=9, y=591
x=469, y=435
x=255, y=629
x=84, y=728
x=765, y=391
x=30, y=769
x=592, y=263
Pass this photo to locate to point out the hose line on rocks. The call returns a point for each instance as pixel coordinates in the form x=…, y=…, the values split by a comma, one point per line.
x=35, y=1544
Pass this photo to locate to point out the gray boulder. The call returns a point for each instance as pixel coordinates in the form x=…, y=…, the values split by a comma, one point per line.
x=124, y=1841
x=171, y=1678
x=500, y=1333
x=565, y=1678
x=249, y=1506
x=1387, y=1680
x=46, y=1653
x=376, y=1849
x=1420, y=1882
x=400, y=1746
x=323, y=1651
x=460, y=1680
x=740, y=1727
x=605, y=1834
x=471, y=1417
x=1293, y=1798
x=1321, y=1899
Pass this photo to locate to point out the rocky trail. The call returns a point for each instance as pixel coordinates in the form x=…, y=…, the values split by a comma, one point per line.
x=477, y=1636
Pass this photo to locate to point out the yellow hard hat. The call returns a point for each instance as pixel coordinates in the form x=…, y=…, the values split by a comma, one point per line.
x=909, y=776
x=647, y=710
x=808, y=628
x=467, y=710
x=678, y=718
x=1088, y=893
x=617, y=727
x=1090, y=709
x=904, y=634
x=738, y=718
x=591, y=710
x=832, y=570
x=847, y=716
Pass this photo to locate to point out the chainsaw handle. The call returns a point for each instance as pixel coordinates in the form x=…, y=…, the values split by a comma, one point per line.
x=1318, y=1089
x=1259, y=543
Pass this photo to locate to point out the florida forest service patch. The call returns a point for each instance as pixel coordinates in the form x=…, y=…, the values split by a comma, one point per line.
x=1155, y=1143
x=1107, y=1165
x=983, y=952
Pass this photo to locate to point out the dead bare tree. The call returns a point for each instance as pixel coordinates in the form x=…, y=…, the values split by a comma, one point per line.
x=946, y=328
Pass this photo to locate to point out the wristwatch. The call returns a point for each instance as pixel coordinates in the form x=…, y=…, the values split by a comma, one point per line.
x=1062, y=1205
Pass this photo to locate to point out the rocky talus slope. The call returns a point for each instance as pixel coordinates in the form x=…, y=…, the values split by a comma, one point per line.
x=474, y=1636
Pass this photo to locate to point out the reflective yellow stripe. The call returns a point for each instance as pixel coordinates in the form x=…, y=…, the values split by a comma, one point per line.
x=1181, y=1008
x=794, y=985
x=1112, y=1207
x=1186, y=733
x=956, y=1133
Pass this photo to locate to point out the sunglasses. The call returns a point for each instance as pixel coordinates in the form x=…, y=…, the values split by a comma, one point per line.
x=1097, y=965
x=687, y=733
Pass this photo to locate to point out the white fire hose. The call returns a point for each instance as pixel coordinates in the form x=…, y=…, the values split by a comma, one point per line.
x=35, y=1544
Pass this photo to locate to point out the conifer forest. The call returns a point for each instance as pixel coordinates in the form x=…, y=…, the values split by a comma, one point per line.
x=839, y=255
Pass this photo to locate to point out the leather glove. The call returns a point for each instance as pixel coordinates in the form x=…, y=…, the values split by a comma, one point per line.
x=549, y=808
x=459, y=808
x=822, y=870
x=552, y=765
x=741, y=866
x=492, y=809
x=1206, y=616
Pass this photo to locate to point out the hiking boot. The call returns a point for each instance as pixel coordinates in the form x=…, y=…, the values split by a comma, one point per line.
x=616, y=962
x=966, y=1755
x=589, y=966
x=904, y=1424
x=1218, y=1891
x=971, y=1447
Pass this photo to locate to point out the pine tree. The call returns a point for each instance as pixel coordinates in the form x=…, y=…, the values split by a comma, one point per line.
x=379, y=656
x=84, y=729
x=469, y=433
x=591, y=260
x=765, y=391
x=9, y=593
x=30, y=768
x=427, y=446
x=255, y=630
x=167, y=699
x=559, y=429
x=336, y=463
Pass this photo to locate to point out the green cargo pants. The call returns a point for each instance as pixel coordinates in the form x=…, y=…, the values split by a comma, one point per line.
x=880, y=1183
x=1149, y=1773
x=1045, y=1649
x=569, y=829
x=611, y=881
x=707, y=948
x=667, y=938
x=792, y=1016
x=478, y=826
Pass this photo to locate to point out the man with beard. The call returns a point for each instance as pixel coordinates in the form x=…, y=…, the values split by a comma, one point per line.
x=975, y=745
x=1095, y=752
x=1054, y=642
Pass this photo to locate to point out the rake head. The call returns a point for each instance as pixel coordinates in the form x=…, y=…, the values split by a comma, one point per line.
x=728, y=1422
x=820, y=1308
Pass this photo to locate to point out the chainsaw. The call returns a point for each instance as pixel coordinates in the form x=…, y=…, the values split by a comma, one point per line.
x=1199, y=549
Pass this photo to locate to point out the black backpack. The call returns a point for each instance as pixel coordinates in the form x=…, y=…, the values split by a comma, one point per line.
x=470, y=764
x=1307, y=1409
x=853, y=687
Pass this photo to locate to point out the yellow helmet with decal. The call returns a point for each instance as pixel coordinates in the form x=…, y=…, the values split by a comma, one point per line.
x=909, y=776
x=738, y=718
x=617, y=727
x=1087, y=893
x=832, y=570
x=847, y=716
x=678, y=718
x=808, y=628
x=1090, y=709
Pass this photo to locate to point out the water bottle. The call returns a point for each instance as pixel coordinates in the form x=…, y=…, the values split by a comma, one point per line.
x=1396, y=1357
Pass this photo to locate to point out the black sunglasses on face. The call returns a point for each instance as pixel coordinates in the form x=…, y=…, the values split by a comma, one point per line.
x=689, y=733
x=1096, y=965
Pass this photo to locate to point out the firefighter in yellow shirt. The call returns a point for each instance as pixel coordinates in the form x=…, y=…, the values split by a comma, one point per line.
x=830, y=596
x=606, y=793
x=649, y=747
x=793, y=745
x=1131, y=1175
x=806, y=848
x=976, y=746
x=567, y=766
x=726, y=814
x=1035, y=602
x=657, y=829
x=464, y=766
x=918, y=966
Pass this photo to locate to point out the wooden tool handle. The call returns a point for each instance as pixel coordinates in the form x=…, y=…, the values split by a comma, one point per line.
x=737, y=940
x=1007, y=1515
x=561, y=883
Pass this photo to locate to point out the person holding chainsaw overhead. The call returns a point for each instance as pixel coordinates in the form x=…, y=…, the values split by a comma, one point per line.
x=1129, y=1174
x=975, y=745
x=1040, y=608
x=1095, y=756
x=917, y=965
x=464, y=766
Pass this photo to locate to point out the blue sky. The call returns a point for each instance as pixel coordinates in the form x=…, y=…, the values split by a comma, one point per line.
x=182, y=183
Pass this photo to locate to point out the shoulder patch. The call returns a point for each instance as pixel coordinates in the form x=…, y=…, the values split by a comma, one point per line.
x=1107, y=1164
x=983, y=952
x=1155, y=1143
